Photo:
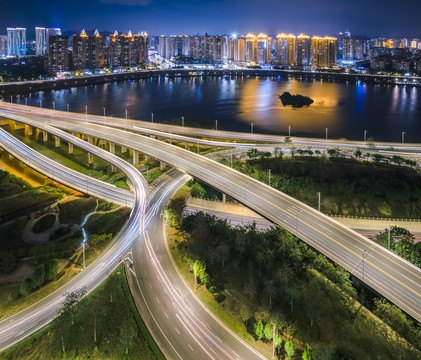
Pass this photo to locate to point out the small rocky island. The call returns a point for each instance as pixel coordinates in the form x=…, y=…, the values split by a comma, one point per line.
x=297, y=101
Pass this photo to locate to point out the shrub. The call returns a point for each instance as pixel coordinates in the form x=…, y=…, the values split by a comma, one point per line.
x=38, y=277
x=51, y=269
x=44, y=223
x=25, y=287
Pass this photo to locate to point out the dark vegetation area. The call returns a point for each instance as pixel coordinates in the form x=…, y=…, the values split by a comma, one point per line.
x=351, y=187
x=297, y=101
x=103, y=325
x=310, y=301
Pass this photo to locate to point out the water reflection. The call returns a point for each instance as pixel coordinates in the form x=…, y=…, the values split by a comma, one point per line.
x=346, y=109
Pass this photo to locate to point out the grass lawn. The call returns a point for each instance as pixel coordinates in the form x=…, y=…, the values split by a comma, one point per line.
x=106, y=326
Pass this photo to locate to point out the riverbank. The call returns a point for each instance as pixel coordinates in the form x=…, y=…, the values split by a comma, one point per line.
x=13, y=89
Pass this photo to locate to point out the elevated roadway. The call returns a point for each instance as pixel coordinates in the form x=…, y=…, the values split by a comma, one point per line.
x=389, y=275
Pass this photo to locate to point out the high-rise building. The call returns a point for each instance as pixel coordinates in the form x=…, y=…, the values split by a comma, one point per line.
x=251, y=48
x=236, y=49
x=88, y=51
x=50, y=32
x=16, y=41
x=40, y=41
x=264, y=46
x=58, y=54
x=131, y=49
x=285, y=49
x=348, y=48
x=3, y=45
x=324, y=51
x=358, y=48
x=303, y=50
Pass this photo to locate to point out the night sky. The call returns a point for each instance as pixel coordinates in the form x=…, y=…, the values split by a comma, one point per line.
x=389, y=18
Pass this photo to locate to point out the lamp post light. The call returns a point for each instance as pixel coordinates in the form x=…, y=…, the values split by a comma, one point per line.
x=126, y=114
x=40, y=103
x=68, y=107
x=54, y=105
x=403, y=137
x=269, y=176
x=152, y=117
x=103, y=108
x=388, y=238
x=319, y=199
x=251, y=128
x=365, y=135
x=216, y=125
x=26, y=101
x=182, y=121
x=289, y=130
x=364, y=255
x=326, y=133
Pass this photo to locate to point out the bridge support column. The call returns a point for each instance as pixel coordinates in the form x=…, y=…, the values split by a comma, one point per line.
x=90, y=140
x=56, y=141
x=44, y=136
x=28, y=130
x=14, y=125
x=162, y=165
x=111, y=147
x=224, y=198
x=101, y=143
x=4, y=122
x=147, y=157
x=70, y=148
x=135, y=158
x=90, y=159
x=186, y=146
x=123, y=149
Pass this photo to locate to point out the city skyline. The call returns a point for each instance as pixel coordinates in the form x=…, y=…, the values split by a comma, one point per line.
x=165, y=17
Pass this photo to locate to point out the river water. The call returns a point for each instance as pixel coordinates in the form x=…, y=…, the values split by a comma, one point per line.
x=345, y=109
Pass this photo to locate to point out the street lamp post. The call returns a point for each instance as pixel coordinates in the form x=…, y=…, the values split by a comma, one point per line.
x=126, y=114
x=364, y=255
x=86, y=112
x=26, y=101
x=365, y=135
x=403, y=137
x=152, y=117
x=269, y=176
x=326, y=133
x=195, y=276
x=216, y=125
x=388, y=238
x=319, y=199
x=252, y=128
x=68, y=107
x=289, y=130
x=40, y=103
x=54, y=105
x=182, y=121
x=231, y=160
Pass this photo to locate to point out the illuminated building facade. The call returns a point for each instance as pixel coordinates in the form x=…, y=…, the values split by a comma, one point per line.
x=16, y=41
x=303, y=50
x=58, y=54
x=40, y=41
x=324, y=51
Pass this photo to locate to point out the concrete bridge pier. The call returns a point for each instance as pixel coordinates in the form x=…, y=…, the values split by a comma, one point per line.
x=14, y=125
x=186, y=146
x=162, y=165
x=123, y=149
x=56, y=141
x=90, y=158
x=147, y=157
x=135, y=158
x=70, y=148
x=28, y=130
x=44, y=136
x=4, y=122
x=224, y=198
x=111, y=147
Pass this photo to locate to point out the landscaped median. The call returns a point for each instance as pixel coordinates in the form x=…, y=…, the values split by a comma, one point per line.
x=270, y=286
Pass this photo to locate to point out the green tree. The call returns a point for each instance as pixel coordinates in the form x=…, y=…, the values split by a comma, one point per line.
x=287, y=140
x=176, y=208
x=307, y=354
x=198, y=191
x=268, y=332
x=127, y=335
x=223, y=252
x=270, y=290
x=358, y=153
x=258, y=329
x=278, y=342
x=25, y=287
x=38, y=277
x=289, y=349
x=52, y=269
x=201, y=272
x=245, y=313
x=252, y=153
